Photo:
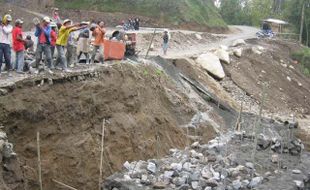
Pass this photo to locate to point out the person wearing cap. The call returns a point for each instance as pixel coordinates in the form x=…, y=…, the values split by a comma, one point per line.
x=5, y=42
x=56, y=17
x=43, y=33
x=53, y=39
x=18, y=45
x=99, y=34
x=165, y=41
x=62, y=41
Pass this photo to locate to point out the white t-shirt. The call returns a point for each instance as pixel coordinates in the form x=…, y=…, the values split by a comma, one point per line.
x=5, y=32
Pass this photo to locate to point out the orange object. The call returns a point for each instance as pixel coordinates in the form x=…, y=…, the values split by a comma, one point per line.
x=114, y=50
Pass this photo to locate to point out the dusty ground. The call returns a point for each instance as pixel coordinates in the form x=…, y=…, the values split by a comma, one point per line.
x=272, y=68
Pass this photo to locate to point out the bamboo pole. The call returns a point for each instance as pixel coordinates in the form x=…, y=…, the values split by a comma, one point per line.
x=148, y=50
x=39, y=160
x=101, y=155
x=65, y=185
x=302, y=22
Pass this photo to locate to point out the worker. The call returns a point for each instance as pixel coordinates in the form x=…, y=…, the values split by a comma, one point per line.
x=62, y=41
x=53, y=40
x=18, y=46
x=56, y=17
x=71, y=50
x=5, y=48
x=28, y=43
x=84, y=44
x=99, y=34
x=165, y=41
x=43, y=33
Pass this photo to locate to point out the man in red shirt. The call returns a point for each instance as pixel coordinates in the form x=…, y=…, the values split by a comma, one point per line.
x=53, y=39
x=18, y=45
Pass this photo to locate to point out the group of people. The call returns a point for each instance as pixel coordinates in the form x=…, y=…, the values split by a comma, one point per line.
x=51, y=35
x=131, y=24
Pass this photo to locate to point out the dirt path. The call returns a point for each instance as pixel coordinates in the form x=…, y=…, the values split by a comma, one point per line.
x=241, y=32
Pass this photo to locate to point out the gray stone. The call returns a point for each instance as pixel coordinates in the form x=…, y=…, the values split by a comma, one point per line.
x=299, y=184
x=206, y=173
x=255, y=182
x=208, y=188
x=195, y=184
x=176, y=166
x=236, y=184
x=195, y=176
x=245, y=183
x=3, y=92
x=212, y=182
x=249, y=165
x=151, y=167
x=263, y=142
x=179, y=181
x=159, y=185
x=168, y=174
x=275, y=158
x=187, y=166
x=184, y=187
x=296, y=171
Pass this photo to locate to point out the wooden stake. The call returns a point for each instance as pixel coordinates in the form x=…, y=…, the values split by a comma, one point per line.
x=60, y=183
x=39, y=160
x=101, y=155
x=148, y=50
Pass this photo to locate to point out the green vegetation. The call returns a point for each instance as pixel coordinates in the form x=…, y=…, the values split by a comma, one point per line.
x=176, y=12
x=252, y=12
x=303, y=56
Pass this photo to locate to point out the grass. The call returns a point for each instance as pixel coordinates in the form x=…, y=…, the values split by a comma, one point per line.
x=200, y=12
x=303, y=56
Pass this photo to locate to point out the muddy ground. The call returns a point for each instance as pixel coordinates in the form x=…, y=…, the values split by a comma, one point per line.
x=69, y=117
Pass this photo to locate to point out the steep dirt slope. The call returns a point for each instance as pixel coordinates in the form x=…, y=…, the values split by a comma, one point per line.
x=141, y=121
x=287, y=89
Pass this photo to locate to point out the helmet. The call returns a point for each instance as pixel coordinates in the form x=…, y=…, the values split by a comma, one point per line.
x=19, y=21
x=53, y=24
x=7, y=18
x=47, y=19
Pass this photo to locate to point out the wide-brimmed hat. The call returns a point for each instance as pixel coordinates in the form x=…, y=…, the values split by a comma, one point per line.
x=66, y=21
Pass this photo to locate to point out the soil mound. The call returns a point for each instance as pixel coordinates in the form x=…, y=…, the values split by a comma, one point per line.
x=134, y=102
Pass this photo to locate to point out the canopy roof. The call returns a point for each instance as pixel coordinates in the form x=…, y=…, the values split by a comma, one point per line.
x=275, y=21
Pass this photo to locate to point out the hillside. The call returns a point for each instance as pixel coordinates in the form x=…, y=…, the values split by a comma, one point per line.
x=198, y=14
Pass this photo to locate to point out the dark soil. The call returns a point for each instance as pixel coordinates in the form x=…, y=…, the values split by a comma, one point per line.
x=69, y=117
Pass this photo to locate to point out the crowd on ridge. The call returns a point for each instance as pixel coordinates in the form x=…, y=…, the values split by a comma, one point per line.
x=53, y=34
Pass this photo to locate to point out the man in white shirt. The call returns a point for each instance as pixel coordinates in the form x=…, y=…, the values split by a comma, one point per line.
x=5, y=42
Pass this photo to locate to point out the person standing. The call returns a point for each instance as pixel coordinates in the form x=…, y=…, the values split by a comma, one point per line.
x=53, y=40
x=43, y=33
x=99, y=34
x=56, y=17
x=84, y=44
x=62, y=41
x=165, y=41
x=5, y=43
x=18, y=46
x=29, y=44
x=71, y=50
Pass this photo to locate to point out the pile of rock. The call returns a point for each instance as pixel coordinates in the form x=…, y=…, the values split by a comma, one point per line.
x=197, y=168
x=293, y=147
